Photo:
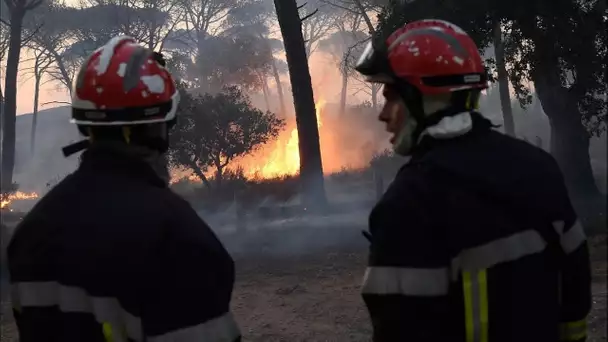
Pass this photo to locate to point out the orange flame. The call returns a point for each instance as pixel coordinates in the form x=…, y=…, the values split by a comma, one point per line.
x=283, y=156
x=17, y=196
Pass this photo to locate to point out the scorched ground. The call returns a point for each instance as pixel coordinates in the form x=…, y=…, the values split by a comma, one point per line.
x=315, y=297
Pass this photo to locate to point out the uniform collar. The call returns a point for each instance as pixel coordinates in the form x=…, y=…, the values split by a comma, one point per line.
x=116, y=159
x=450, y=130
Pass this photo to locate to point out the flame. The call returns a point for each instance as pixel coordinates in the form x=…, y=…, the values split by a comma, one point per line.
x=17, y=196
x=283, y=156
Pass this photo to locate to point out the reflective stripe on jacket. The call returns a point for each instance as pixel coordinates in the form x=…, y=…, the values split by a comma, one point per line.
x=112, y=254
x=476, y=241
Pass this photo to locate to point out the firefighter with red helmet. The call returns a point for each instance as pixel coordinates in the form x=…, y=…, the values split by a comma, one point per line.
x=111, y=253
x=476, y=238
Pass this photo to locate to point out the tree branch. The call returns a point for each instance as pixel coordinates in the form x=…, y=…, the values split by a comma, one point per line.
x=55, y=102
x=310, y=15
x=33, y=5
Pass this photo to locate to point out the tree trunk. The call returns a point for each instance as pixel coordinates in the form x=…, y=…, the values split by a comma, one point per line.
x=10, y=101
x=311, y=168
x=569, y=141
x=368, y=21
x=197, y=171
x=66, y=78
x=343, y=93
x=203, y=73
x=265, y=92
x=219, y=172
x=374, y=90
x=277, y=80
x=275, y=73
x=569, y=138
x=503, y=82
x=1, y=117
x=38, y=77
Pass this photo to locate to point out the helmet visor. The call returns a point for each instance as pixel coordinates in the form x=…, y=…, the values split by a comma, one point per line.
x=373, y=64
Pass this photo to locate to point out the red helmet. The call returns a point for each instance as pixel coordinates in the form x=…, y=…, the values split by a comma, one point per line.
x=434, y=56
x=123, y=83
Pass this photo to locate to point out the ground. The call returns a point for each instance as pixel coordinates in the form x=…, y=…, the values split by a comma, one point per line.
x=315, y=297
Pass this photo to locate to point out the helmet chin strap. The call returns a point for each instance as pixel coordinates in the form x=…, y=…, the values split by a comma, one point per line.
x=411, y=133
x=154, y=137
x=404, y=141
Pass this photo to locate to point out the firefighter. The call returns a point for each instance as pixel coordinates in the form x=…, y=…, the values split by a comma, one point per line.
x=111, y=253
x=476, y=239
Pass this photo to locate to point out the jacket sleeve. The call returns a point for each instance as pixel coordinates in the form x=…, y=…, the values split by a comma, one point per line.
x=575, y=281
x=189, y=286
x=575, y=272
x=407, y=279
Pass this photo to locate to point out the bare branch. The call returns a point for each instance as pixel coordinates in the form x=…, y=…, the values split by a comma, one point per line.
x=25, y=40
x=55, y=102
x=310, y=15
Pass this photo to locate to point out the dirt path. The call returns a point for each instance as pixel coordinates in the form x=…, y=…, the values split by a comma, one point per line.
x=305, y=299
x=316, y=298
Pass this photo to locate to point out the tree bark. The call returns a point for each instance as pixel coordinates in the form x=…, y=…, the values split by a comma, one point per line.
x=219, y=172
x=10, y=101
x=1, y=117
x=197, y=171
x=265, y=92
x=343, y=93
x=65, y=75
x=368, y=21
x=35, y=113
x=569, y=142
x=311, y=168
x=503, y=82
x=569, y=138
x=275, y=74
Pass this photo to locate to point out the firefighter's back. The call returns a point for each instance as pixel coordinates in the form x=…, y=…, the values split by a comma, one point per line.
x=511, y=229
x=97, y=255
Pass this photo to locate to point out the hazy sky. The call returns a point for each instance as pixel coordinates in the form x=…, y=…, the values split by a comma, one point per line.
x=50, y=91
x=324, y=72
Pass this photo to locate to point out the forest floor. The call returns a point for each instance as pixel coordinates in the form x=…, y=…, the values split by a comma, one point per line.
x=315, y=297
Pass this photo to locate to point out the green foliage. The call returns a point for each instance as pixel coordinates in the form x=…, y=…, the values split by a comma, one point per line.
x=474, y=16
x=213, y=130
x=561, y=43
x=249, y=192
x=236, y=60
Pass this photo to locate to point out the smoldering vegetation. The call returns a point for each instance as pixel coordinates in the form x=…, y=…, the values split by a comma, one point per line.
x=256, y=216
x=241, y=62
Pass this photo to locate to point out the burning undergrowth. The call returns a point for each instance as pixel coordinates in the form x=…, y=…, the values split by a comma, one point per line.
x=7, y=198
x=346, y=141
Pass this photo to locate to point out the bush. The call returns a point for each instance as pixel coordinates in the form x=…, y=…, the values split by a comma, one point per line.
x=387, y=163
x=249, y=192
x=346, y=175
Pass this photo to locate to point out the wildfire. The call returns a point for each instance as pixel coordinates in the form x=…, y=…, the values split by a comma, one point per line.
x=341, y=148
x=17, y=196
x=282, y=157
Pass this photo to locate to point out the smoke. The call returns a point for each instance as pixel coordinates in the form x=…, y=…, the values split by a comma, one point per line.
x=348, y=143
x=347, y=140
x=297, y=235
